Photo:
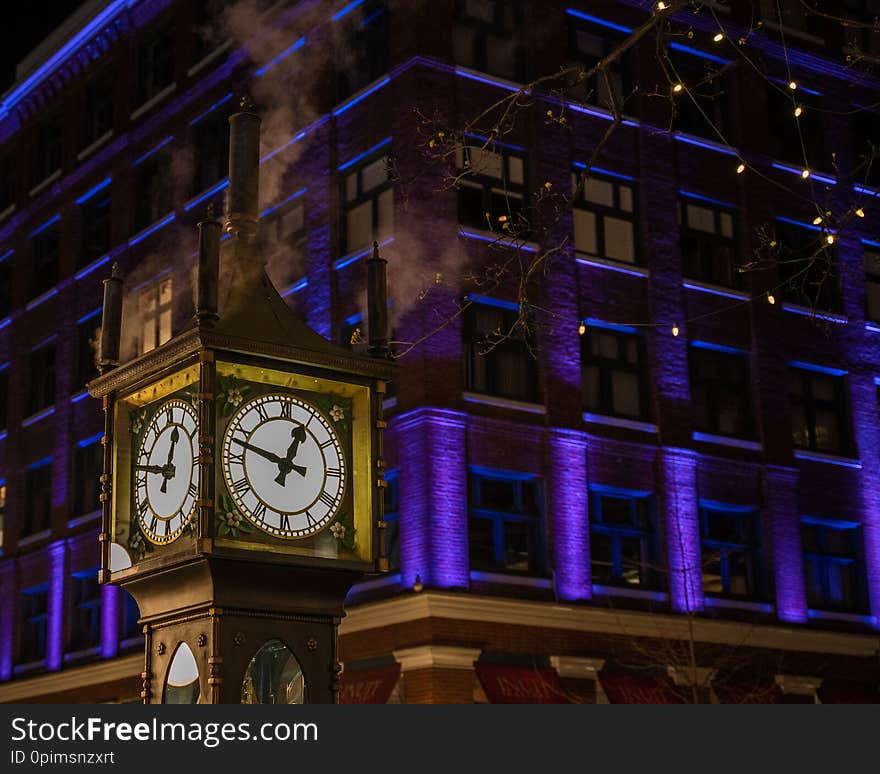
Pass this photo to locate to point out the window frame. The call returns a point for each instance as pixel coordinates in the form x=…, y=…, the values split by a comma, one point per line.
x=749, y=544
x=367, y=45
x=794, y=243
x=840, y=405
x=88, y=466
x=38, y=492
x=33, y=620
x=855, y=561
x=716, y=387
x=88, y=608
x=45, y=259
x=149, y=83
x=707, y=247
x=490, y=188
x=607, y=367
x=156, y=314
x=482, y=30
x=42, y=377
x=601, y=211
x=380, y=231
x=97, y=101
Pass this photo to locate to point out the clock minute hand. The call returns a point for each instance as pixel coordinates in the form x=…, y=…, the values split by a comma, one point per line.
x=168, y=472
x=262, y=452
x=151, y=468
x=287, y=465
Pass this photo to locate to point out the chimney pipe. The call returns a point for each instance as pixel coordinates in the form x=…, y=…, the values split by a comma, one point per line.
x=209, y=270
x=377, y=305
x=243, y=196
x=111, y=323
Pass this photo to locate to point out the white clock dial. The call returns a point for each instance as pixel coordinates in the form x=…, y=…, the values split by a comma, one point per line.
x=166, y=477
x=283, y=465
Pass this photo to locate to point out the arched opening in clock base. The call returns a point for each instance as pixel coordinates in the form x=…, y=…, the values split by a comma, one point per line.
x=182, y=681
x=274, y=676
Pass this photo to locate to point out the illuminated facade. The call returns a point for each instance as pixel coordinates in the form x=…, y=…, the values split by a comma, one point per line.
x=687, y=446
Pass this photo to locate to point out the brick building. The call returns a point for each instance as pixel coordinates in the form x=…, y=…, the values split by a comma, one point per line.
x=688, y=457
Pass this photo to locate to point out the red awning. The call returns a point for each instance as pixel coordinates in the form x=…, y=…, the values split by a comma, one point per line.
x=368, y=686
x=626, y=688
x=510, y=684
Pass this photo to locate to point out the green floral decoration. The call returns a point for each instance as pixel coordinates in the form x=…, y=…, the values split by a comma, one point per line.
x=138, y=545
x=229, y=520
x=343, y=530
x=136, y=419
x=232, y=393
x=339, y=410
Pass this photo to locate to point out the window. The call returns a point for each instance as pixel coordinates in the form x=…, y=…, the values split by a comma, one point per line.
x=44, y=247
x=95, y=227
x=792, y=14
x=5, y=288
x=86, y=350
x=614, y=371
x=128, y=621
x=720, y=392
x=38, y=497
x=88, y=466
x=833, y=565
x=864, y=39
x=504, y=522
x=622, y=538
x=369, y=203
x=818, y=411
x=85, y=610
x=154, y=308
x=33, y=624
x=7, y=182
x=98, y=112
x=207, y=27
x=42, y=378
x=704, y=107
x=589, y=43
x=46, y=159
x=865, y=128
x=392, y=519
x=155, y=65
x=872, y=285
x=153, y=190
x=4, y=397
x=487, y=35
x=708, y=244
x=731, y=551
x=792, y=139
x=491, y=193
x=211, y=143
x=604, y=217
x=285, y=238
x=499, y=353
x=808, y=267
x=366, y=49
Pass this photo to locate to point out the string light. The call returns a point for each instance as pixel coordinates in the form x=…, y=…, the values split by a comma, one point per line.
x=817, y=220
x=661, y=6
x=582, y=329
x=792, y=85
x=677, y=88
x=830, y=239
x=798, y=111
x=805, y=174
x=771, y=299
x=718, y=37
x=860, y=212
x=741, y=168
x=675, y=330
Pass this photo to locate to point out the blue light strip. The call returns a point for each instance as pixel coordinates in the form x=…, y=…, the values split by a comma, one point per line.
x=870, y=242
x=601, y=171
x=296, y=287
x=818, y=521
x=34, y=303
x=40, y=463
x=800, y=87
x=486, y=79
x=709, y=200
x=798, y=171
x=154, y=149
x=595, y=112
x=214, y=189
x=798, y=223
x=488, y=141
x=375, y=15
x=341, y=263
x=592, y=322
x=92, y=439
x=501, y=475
x=712, y=146
x=714, y=291
x=719, y=506
x=80, y=396
x=697, y=52
x=377, y=147
x=612, y=266
x=805, y=311
x=4, y=366
x=346, y=10
x=597, y=20
x=355, y=318
x=6, y=254
x=97, y=189
x=827, y=615
x=617, y=491
x=819, y=369
x=48, y=224
x=502, y=240
x=89, y=316
x=865, y=190
x=91, y=267
x=151, y=229
x=498, y=303
x=291, y=141
x=211, y=109
x=269, y=210
x=710, y=345
x=37, y=417
x=352, y=102
x=44, y=342
x=5, y=322
x=278, y=58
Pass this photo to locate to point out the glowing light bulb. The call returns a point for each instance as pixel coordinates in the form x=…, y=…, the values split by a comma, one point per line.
x=675, y=330
x=830, y=239
x=661, y=6
x=805, y=174
x=817, y=220
x=740, y=169
x=718, y=37
x=677, y=88
x=792, y=85
x=798, y=111
x=771, y=299
x=860, y=212
x=582, y=329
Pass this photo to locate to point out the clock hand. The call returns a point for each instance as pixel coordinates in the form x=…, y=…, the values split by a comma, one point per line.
x=168, y=473
x=287, y=465
x=257, y=450
x=151, y=468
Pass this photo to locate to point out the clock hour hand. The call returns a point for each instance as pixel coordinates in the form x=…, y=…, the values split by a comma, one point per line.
x=287, y=465
x=151, y=468
x=169, y=471
x=262, y=452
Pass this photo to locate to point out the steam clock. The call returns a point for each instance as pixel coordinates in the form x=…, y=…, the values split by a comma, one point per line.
x=243, y=473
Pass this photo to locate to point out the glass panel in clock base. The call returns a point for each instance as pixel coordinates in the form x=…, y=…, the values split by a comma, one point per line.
x=274, y=676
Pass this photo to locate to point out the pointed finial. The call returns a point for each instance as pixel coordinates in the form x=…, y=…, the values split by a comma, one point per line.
x=209, y=212
x=375, y=249
x=114, y=270
x=247, y=105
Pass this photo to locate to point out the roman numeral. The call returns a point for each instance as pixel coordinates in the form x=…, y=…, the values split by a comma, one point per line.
x=262, y=413
x=169, y=415
x=154, y=522
x=286, y=410
x=193, y=490
x=167, y=527
x=241, y=485
x=326, y=443
x=312, y=520
x=239, y=458
x=327, y=499
x=285, y=521
x=260, y=511
x=335, y=472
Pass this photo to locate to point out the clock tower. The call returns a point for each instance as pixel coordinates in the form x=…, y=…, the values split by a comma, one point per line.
x=243, y=473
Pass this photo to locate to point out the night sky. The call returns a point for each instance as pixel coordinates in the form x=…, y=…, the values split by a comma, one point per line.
x=27, y=24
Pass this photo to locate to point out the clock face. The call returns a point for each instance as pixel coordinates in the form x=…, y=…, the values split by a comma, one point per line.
x=165, y=472
x=283, y=465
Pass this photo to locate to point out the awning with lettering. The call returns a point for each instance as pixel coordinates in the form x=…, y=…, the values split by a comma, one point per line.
x=512, y=684
x=372, y=685
x=630, y=688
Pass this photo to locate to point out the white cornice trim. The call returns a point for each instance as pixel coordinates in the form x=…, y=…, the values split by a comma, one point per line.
x=464, y=607
x=577, y=666
x=442, y=656
x=799, y=685
x=70, y=679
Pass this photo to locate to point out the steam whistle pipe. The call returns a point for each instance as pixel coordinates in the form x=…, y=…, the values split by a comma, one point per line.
x=243, y=194
x=209, y=270
x=111, y=324
x=377, y=305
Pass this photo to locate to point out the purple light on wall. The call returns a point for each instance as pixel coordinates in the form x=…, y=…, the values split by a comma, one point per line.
x=55, y=631
x=567, y=507
x=681, y=519
x=433, y=498
x=7, y=615
x=784, y=528
x=110, y=604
